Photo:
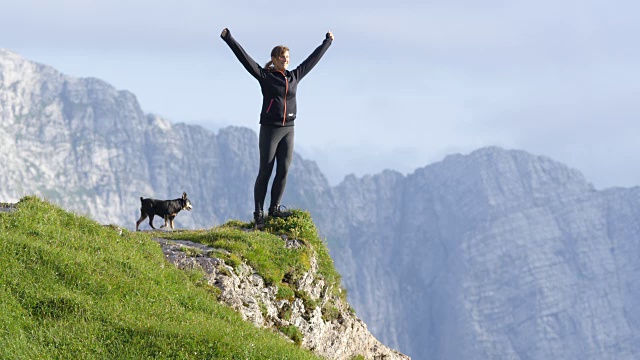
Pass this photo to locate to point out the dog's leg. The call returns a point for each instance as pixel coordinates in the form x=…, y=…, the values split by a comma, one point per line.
x=142, y=217
x=171, y=222
x=166, y=218
x=151, y=221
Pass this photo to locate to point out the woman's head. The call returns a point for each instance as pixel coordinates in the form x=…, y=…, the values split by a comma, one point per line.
x=279, y=58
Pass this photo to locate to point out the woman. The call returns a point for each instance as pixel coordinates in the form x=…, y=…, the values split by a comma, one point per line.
x=277, y=118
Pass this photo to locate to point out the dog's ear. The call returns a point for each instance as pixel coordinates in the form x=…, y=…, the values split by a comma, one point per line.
x=184, y=195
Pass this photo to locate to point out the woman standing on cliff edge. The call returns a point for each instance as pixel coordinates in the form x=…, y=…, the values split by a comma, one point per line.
x=277, y=118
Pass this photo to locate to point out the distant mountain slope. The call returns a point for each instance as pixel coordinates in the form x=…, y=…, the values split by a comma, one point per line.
x=497, y=254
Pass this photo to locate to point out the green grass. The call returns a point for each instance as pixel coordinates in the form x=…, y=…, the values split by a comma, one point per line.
x=71, y=288
x=293, y=333
x=265, y=252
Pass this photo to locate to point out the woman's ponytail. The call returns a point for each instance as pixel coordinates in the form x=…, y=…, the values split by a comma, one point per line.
x=275, y=52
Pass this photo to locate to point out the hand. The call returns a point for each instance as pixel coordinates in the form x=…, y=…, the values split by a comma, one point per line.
x=330, y=35
x=225, y=31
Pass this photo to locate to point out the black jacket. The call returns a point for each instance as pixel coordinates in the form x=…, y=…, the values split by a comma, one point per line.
x=278, y=89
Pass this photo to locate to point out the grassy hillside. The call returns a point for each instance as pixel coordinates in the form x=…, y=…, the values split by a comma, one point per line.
x=264, y=250
x=71, y=288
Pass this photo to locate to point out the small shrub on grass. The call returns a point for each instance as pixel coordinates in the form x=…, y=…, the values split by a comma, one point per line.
x=330, y=313
x=263, y=309
x=293, y=333
x=231, y=259
x=285, y=292
x=291, y=277
x=223, y=270
x=237, y=224
x=198, y=278
x=285, y=311
x=190, y=252
x=309, y=303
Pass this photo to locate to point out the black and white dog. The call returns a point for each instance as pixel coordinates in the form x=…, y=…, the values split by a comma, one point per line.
x=168, y=209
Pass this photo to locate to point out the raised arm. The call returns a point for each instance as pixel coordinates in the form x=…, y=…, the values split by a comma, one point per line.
x=252, y=67
x=306, y=66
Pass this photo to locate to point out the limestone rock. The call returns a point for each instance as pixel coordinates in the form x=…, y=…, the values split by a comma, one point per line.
x=343, y=337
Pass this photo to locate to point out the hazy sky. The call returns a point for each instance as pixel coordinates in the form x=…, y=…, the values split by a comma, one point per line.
x=404, y=83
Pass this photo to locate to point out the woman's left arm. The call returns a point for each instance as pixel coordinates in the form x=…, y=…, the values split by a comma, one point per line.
x=306, y=66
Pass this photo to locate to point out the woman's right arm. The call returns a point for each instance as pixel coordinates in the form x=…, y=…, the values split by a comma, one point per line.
x=252, y=67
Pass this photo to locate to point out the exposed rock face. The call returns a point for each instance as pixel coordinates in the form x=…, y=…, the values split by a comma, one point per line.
x=344, y=337
x=6, y=207
x=495, y=254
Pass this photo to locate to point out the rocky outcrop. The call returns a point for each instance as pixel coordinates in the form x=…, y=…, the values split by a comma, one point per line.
x=339, y=335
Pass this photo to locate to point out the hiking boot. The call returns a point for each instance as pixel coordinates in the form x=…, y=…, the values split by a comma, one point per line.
x=279, y=211
x=258, y=217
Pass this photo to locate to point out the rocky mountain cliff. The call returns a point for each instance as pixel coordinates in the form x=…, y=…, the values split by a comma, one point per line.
x=495, y=254
x=498, y=254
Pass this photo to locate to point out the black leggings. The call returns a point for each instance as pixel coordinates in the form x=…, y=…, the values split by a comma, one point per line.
x=276, y=144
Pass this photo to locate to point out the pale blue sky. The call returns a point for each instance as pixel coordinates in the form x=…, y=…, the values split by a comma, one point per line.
x=404, y=84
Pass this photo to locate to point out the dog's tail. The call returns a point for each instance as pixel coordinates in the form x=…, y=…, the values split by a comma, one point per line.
x=141, y=199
